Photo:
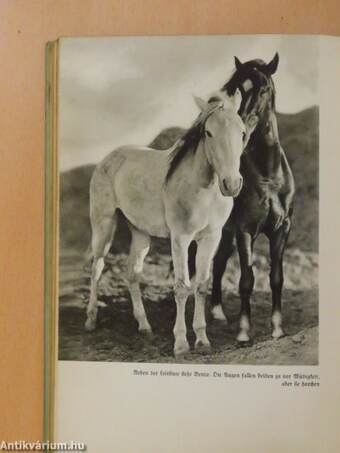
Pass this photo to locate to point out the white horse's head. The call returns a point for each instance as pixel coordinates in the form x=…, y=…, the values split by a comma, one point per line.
x=223, y=140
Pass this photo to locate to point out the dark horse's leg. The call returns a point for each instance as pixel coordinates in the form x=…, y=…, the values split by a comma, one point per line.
x=224, y=252
x=245, y=244
x=278, y=241
x=192, y=259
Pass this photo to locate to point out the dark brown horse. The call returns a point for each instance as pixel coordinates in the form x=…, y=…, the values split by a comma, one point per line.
x=265, y=203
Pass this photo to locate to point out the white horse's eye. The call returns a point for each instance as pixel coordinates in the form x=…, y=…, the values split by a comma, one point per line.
x=208, y=133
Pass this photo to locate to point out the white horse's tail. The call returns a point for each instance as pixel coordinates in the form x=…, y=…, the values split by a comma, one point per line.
x=87, y=258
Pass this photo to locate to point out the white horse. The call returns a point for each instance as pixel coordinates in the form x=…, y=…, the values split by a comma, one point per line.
x=184, y=193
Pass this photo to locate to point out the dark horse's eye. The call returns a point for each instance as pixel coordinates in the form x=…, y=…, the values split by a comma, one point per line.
x=208, y=133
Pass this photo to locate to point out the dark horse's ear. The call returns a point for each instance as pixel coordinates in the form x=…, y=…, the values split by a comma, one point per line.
x=238, y=64
x=271, y=67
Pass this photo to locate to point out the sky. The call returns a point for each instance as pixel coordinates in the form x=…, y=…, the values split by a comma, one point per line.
x=121, y=90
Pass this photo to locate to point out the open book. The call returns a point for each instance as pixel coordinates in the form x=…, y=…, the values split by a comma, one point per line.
x=183, y=243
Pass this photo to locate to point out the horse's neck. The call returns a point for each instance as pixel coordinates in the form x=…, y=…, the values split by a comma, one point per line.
x=199, y=168
x=264, y=148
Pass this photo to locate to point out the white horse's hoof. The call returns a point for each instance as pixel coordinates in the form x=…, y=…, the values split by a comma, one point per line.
x=243, y=337
x=143, y=325
x=201, y=346
x=217, y=313
x=181, y=349
x=145, y=330
x=90, y=324
x=91, y=320
x=278, y=333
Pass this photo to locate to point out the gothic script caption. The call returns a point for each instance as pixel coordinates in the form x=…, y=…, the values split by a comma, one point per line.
x=283, y=379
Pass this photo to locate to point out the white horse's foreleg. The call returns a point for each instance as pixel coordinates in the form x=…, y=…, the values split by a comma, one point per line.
x=103, y=229
x=206, y=248
x=139, y=249
x=179, y=248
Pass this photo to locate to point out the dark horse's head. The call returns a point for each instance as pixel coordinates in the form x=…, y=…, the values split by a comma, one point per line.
x=253, y=79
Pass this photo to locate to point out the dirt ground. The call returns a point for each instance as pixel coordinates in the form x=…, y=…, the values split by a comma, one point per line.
x=117, y=337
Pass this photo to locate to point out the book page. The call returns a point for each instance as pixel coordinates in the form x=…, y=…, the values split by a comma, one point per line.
x=127, y=377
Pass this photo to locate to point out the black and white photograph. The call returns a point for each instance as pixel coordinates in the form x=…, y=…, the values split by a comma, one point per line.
x=189, y=199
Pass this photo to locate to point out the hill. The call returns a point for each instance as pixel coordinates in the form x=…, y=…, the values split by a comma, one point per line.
x=299, y=134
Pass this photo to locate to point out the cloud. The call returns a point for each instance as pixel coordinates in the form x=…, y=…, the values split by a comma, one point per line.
x=115, y=91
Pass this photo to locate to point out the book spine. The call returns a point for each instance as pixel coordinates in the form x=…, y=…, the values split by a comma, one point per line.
x=51, y=236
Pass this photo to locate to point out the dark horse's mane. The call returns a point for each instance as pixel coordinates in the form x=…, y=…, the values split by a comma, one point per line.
x=256, y=72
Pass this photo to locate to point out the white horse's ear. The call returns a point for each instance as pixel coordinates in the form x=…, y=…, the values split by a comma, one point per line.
x=201, y=104
x=237, y=99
